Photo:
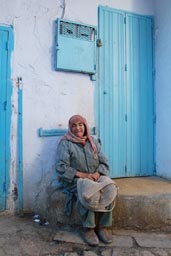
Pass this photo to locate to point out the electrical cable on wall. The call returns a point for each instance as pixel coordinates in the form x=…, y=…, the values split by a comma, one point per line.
x=63, y=5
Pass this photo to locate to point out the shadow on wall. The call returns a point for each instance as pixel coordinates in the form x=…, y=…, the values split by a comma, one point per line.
x=53, y=47
x=138, y=6
x=47, y=181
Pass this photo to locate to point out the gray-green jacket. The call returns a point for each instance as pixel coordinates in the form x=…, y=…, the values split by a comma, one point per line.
x=73, y=157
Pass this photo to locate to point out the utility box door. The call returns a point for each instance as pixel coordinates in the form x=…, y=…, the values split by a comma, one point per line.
x=76, y=47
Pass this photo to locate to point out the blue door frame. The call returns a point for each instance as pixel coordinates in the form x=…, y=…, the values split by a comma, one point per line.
x=125, y=92
x=6, y=46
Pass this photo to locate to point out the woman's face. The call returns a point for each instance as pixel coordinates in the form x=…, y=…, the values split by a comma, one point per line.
x=78, y=129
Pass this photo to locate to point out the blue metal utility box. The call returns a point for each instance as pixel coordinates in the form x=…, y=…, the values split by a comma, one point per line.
x=76, y=47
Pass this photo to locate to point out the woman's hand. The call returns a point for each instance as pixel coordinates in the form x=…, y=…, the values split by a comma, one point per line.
x=82, y=175
x=94, y=176
x=91, y=176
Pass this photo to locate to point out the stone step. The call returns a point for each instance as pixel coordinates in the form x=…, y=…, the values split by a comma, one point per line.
x=143, y=203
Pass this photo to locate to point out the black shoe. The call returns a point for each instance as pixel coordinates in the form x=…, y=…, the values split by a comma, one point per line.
x=104, y=235
x=90, y=237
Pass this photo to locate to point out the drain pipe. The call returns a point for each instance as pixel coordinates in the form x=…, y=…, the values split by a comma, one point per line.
x=20, y=147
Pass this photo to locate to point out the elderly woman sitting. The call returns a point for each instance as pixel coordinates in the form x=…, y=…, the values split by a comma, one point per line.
x=79, y=156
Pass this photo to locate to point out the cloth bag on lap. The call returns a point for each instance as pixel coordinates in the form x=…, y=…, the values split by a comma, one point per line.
x=97, y=195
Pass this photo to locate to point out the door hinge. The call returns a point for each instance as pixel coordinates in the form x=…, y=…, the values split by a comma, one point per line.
x=4, y=187
x=154, y=168
x=5, y=105
x=125, y=117
x=125, y=170
x=7, y=45
x=126, y=67
x=124, y=20
x=154, y=119
x=154, y=73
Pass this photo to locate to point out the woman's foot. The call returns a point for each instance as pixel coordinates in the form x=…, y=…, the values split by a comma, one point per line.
x=90, y=236
x=104, y=235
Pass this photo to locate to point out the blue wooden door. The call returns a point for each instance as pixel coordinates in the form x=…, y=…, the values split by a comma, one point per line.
x=5, y=93
x=125, y=92
x=139, y=84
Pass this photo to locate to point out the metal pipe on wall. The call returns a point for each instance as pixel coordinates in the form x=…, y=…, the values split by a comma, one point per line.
x=20, y=145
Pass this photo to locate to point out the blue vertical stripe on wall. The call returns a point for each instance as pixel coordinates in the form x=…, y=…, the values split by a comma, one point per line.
x=3, y=72
x=6, y=45
x=140, y=115
x=125, y=92
x=111, y=91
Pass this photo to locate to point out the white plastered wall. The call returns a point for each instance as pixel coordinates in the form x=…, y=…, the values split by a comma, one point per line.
x=49, y=97
x=162, y=36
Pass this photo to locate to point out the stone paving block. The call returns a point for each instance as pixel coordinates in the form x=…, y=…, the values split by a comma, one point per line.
x=107, y=252
x=71, y=237
x=70, y=254
x=153, y=240
x=121, y=241
x=89, y=253
x=138, y=252
x=161, y=252
x=146, y=253
x=125, y=252
x=67, y=236
x=125, y=232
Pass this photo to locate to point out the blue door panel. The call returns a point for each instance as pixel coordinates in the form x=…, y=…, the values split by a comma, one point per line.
x=3, y=74
x=140, y=116
x=111, y=88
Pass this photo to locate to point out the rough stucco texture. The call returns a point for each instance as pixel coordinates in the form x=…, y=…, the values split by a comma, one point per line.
x=49, y=97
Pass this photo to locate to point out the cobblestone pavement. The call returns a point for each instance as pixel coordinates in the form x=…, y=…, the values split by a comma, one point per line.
x=24, y=237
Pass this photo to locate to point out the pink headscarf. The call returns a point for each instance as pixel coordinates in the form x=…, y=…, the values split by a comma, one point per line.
x=71, y=137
